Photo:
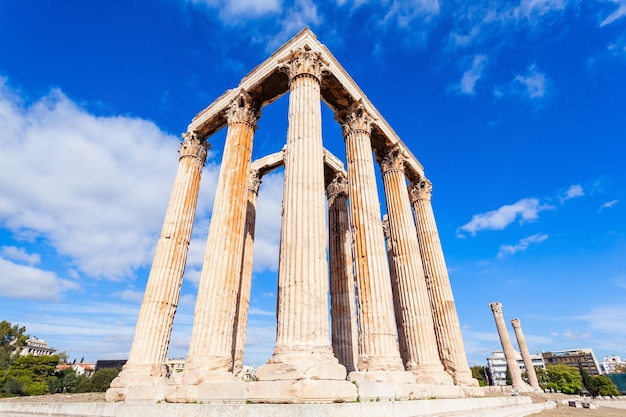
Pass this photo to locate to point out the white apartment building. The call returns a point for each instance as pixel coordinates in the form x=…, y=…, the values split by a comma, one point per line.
x=497, y=366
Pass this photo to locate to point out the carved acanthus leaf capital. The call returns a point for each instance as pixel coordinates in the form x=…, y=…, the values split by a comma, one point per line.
x=420, y=190
x=195, y=146
x=241, y=110
x=357, y=119
x=392, y=159
x=254, y=181
x=516, y=323
x=338, y=185
x=496, y=307
x=304, y=62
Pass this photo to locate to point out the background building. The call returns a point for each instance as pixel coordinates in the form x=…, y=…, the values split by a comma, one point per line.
x=610, y=363
x=37, y=347
x=576, y=358
x=497, y=366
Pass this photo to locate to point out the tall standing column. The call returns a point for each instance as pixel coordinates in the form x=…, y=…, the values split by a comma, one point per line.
x=342, y=295
x=378, y=348
x=445, y=317
x=414, y=318
x=302, y=336
x=507, y=347
x=210, y=349
x=245, y=281
x=523, y=348
x=146, y=361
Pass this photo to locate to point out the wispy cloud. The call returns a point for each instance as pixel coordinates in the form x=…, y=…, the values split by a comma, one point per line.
x=27, y=282
x=525, y=210
x=617, y=14
x=533, y=83
x=241, y=8
x=19, y=254
x=573, y=191
x=472, y=75
x=522, y=245
x=608, y=204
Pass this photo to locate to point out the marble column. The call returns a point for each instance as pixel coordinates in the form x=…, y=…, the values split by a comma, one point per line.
x=342, y=292
x=378, y=347
x=245, y=281
x=413, y=318
x=211, y=346
x=146, y=361
x=523, y=348
x=445, y=317
x=507, y=347
x=303, y=347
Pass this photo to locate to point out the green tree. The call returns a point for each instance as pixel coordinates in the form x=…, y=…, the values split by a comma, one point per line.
x=602, y=385
x=99, y=381
x=12, y=340
x=478, y=372
x=563, y=378
x=30, y=375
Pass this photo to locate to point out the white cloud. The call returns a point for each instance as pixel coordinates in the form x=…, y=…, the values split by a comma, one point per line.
x=20, y=281
x=19, y=254
x=302, y=13
x=472, y=75
x=92, y=188
x=522, y=245
x=241, y=8
x=533, y=83
x=268, y=223
x=404, y=12
x=572, y=192
x=130, y=295
x=526, y=209
x=534, y=8
x=617, y=14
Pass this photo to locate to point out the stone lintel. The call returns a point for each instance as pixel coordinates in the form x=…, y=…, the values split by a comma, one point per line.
x=266, y=83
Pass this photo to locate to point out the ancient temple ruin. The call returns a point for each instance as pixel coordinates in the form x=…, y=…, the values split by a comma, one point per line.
x=394, y=326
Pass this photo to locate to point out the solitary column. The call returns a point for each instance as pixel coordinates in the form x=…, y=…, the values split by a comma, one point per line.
x=245, y=282
x=303, y=348
x=378, y=347
x=146, y=362
x=413, y=317
x=445, y=317
x=523, y=348
x=507, y=347
x=342, y=296
x=211, y=346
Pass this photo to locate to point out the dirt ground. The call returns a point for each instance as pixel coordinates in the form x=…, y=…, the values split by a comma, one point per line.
x=566, y=411
x=88, y=397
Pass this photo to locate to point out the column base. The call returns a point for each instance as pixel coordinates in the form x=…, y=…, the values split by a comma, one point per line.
x=302, y=364
x=393, y=377
x=143, y=382
x=431, y=375
x=465, y=379
x=208, y=393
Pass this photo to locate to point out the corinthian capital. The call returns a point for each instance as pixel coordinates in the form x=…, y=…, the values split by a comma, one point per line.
x=242, y=111
x=195, y=146
x=357, y=119
x=516, y=323
x=393, y=159
x=304, y=62
x=496, y=307
x=338, y=185
x=254, y=181
x=420, y=190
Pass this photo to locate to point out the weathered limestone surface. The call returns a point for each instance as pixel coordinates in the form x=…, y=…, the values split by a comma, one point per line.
x=146, y=362
x=523, y=348
x=245, y=281
x=303, y=348
x=378, y=348
x=210, y=350
x=445, y=317
x=342, y=292
x=507, y=348
x=413, y=315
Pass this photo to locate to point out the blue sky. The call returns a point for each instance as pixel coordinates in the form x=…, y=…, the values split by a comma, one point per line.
x=517, y=110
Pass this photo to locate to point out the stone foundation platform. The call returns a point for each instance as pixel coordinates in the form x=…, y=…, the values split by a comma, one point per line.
x=469, y=407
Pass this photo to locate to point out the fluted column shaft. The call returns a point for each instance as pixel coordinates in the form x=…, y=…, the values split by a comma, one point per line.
x=523, y=348
x=414, y=318
x=245, y=281
x=342, y=295
x=507, y=347
x=211, y=342
x=445, y=317
x=302, y=311
x=378, y=348
x=156, y=316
